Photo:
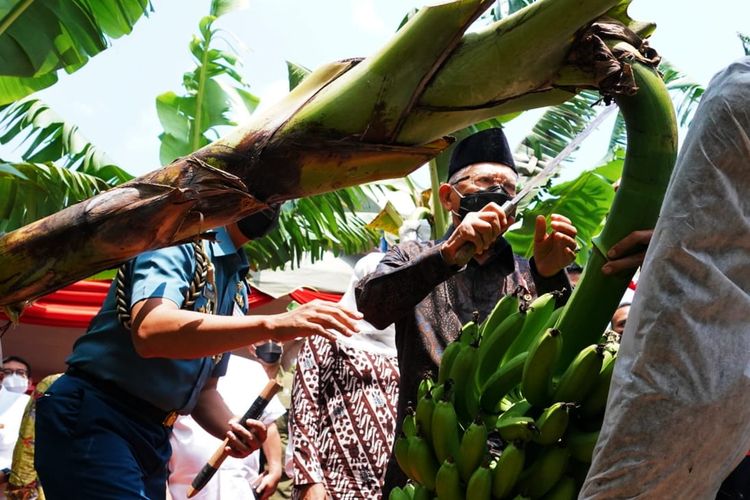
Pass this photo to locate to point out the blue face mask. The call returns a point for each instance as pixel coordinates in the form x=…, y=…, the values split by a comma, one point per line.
x=474, y=202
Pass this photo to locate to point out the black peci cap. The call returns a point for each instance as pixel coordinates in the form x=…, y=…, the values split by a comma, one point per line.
x=486, y=146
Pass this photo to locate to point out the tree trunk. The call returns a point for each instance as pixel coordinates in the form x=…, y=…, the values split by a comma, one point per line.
x=347, y=123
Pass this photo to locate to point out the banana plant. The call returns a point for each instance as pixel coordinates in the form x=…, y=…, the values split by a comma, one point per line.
x=347, y=123
x=40, y=38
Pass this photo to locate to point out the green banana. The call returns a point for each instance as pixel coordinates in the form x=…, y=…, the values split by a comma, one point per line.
x=494, y=344
x=501, y=382
x=425, y=385
x=438, y=391
x=401, y=452
x=469, y=332
x=545, y=472
x=472, y=450
x=581, y=444
x=445, y=431
x=519, y=409
x=480, y=484
x=579, y=378
x=421, y=493
x=536, y=382
x=596, y=401
x=409, y=489
x=448, y=482
x=537, y=320
x=446, y=362
x=398, y=494
x=465, y=391
x=513, y=429
x=506, y=306
x=507, y=471
x=565, y=489
x=423, y=416
x=552, y=423
x=423, y=462
x=409, y=425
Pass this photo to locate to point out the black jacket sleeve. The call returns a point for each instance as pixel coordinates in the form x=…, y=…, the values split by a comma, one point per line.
x=405, y=276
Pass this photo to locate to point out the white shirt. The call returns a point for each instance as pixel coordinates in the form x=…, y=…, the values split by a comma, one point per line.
x=192, y=446
x=12, y=405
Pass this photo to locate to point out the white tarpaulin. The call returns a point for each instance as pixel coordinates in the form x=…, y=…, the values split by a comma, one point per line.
x=678, y=415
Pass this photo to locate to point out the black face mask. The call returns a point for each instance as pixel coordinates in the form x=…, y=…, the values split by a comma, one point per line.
x=268, y=352
x=474, y=202
x=259, y=224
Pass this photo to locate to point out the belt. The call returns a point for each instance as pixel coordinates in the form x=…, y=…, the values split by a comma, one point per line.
x=133, y=405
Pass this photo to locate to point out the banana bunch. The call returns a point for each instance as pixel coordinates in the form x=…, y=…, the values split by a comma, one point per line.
x=501, y=419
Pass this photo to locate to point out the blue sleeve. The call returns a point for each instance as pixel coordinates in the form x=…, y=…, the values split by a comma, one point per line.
x=164, y=273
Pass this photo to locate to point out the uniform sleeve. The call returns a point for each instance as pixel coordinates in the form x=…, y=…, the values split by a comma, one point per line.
x=403, y=278
x=164, y=273
x=305, y=417
x=220, y=368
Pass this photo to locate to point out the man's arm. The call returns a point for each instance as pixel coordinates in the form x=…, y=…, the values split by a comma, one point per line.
x=212, y=414
x=162, y=329
x=269, y=479
x=402, y=280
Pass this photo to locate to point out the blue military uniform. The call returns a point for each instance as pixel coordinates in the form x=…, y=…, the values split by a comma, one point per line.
x=102, y=430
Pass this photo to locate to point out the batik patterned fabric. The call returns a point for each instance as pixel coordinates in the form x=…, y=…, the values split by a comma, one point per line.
x=343, y=418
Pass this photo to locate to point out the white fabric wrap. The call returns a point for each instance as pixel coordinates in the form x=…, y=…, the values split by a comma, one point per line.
x=678, y=415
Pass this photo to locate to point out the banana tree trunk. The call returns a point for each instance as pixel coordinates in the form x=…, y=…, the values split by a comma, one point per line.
x=347, y=123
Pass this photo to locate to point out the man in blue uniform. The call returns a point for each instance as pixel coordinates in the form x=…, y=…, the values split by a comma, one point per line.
x=155, y=351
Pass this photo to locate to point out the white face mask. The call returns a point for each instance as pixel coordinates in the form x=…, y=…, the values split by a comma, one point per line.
x=15, y=383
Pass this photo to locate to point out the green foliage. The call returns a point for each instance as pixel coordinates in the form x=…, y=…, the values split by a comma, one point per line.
x=559, y=125
x=584, y=200
x=315, y=225
x=38, y=38
x=213, y=91
x=47, y=137
x=31, y=191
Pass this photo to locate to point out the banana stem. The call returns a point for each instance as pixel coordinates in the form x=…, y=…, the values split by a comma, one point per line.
x=650, y=156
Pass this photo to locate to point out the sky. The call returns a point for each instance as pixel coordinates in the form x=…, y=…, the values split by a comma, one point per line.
x=111, y=99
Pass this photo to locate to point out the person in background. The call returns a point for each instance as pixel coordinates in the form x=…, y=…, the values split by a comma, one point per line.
x=16, y=374
x=237, y=478
x=343, y=412
x=24, y=483
x=429, y=289
x=12, y=406
x=620, y=317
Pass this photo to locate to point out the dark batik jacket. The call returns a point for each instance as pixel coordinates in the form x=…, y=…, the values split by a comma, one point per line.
x=429, y=300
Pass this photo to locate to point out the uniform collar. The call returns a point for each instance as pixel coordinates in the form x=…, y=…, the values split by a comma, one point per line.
x=223, y=244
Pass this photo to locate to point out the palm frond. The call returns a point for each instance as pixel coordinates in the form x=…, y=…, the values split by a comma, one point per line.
x=38, y=38
x=214, y=92
x=47, y=137
x=313, y=226
x=30, y=191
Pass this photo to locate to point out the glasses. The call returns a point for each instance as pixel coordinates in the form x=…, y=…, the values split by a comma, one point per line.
x=485, y=182
x=19, y=371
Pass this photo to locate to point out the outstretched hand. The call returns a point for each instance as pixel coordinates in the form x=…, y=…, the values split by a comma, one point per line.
x=555, y=250
x=629, y=252
x=318, y=317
